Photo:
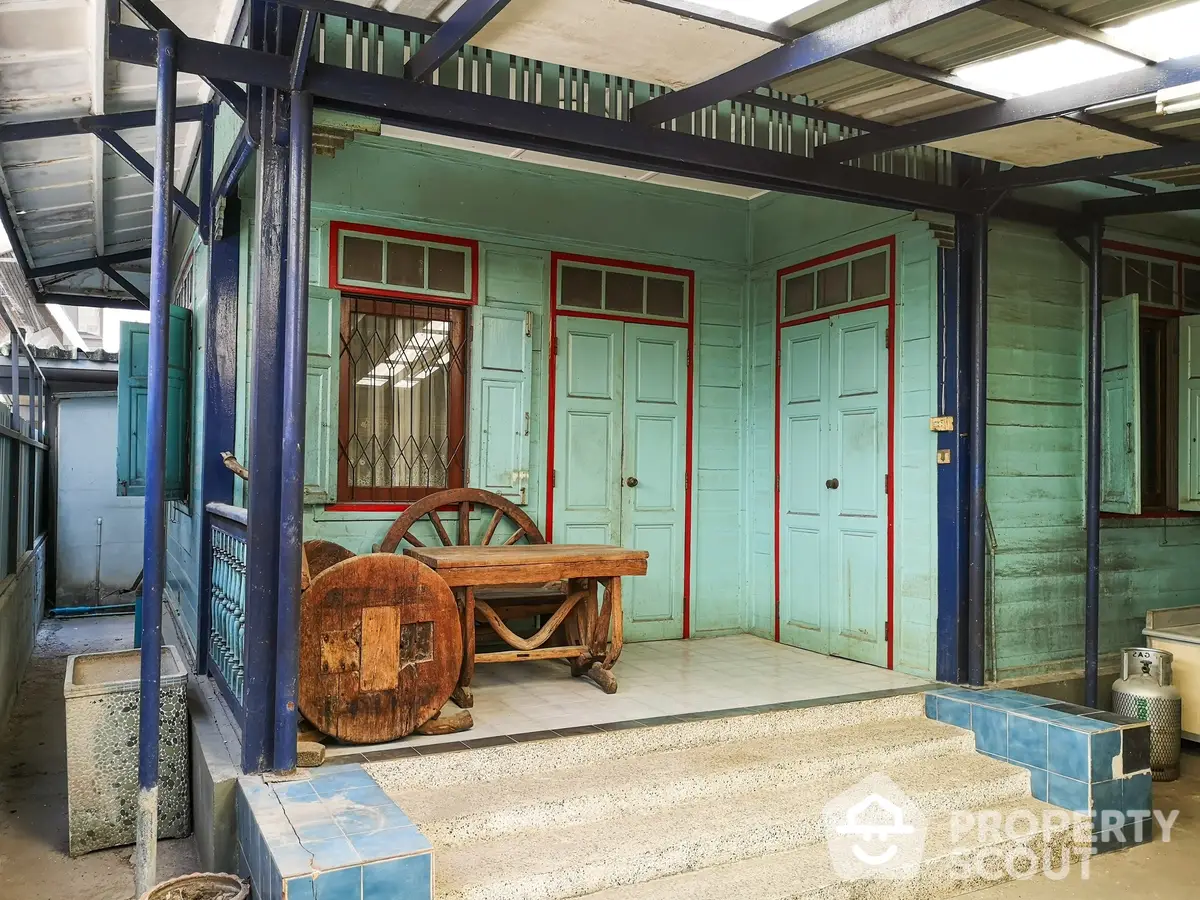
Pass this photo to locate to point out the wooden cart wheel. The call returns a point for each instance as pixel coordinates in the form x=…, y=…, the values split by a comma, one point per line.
x=465, y=499
x=380, y=648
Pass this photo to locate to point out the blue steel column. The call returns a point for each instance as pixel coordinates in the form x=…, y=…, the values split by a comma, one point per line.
x=977, y=503
x=262, y=531
x=1091, y=605
x=295, y=365
x=155, y=538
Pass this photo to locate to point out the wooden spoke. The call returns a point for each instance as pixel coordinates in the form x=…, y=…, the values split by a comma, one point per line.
x=440, y=528
x=466, y=500
x=497, y=516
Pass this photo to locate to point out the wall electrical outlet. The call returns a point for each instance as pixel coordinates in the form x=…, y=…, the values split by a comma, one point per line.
x=943, y=457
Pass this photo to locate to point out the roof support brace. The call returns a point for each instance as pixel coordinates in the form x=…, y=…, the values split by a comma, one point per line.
x=466, y=22
x=92, y=262
x=308, y=27
x=860, y=31
x=121, y=147
x=1175, y=156
x=156, y=19
x=130, y=288
x=52, y=128
x=1167, y=201
x=1057, y=102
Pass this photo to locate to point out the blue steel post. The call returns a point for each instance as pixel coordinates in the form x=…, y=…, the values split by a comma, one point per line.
x=1091, y=605
x=207, y=139
x=977, y=502
x=155, y=538
x=295, y=365
x=262, y=531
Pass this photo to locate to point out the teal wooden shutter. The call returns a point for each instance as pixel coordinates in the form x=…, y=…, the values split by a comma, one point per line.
x=1189, y=413
x=321, y=413
x=501, y=393
x=1120, y=409
x=132, y=386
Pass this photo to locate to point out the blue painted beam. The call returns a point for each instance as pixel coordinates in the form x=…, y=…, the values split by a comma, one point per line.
x=265, y=439
x=356, y=13
x=89, y=301
x=235, y=164
x=130, y=288
x=295, y=382
x=871, y=26
x=154, y=562
x=157, y=20
x=205, y=175
x=452, y=36
x=220, y=397
x=512, y=122
x=52, y=128
x=308, y=27
x=92, y=262
x=977, y=486
x=1166, y=201
x=1057, y=102
x=1095, y=390
x=140, y=164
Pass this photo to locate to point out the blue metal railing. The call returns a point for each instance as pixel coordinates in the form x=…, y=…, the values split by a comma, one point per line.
x=227, y=601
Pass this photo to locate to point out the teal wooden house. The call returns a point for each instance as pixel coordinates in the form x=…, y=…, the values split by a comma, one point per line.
x=874, y=359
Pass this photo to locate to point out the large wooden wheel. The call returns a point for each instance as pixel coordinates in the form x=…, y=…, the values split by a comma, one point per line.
x=465, y=499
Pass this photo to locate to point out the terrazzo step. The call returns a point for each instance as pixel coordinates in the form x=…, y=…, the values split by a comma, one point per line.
x=459, y=814
x=555, y=862
x=536, y=758
x=951, y=866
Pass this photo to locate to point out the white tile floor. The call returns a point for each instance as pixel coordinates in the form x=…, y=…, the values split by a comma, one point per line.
x=656, y=679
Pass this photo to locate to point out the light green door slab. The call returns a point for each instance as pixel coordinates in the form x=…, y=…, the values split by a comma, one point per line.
x=621, y=413
x=833, y=463
x=652, y=509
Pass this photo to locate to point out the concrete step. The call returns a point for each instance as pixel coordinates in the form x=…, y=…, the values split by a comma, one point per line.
x=557, y=861
x=459, y=814
x=536, y=758
x=953, y=864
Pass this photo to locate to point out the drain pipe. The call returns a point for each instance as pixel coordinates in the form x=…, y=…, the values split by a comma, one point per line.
x=977, y=497
x=155, y=539
x=99, y=544
x=1091, y=602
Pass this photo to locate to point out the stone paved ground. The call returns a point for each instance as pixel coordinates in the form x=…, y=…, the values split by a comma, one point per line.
x=33, y=781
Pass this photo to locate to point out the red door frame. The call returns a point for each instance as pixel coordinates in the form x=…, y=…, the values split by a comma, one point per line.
x=690, y=275
x=893, y=356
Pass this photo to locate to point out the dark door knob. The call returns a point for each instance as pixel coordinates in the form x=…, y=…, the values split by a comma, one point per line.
x=631, y=482
x=832, y=484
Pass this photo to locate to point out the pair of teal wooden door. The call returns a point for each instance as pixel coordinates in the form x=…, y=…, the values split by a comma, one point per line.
x=833, y=468
x=620, y=456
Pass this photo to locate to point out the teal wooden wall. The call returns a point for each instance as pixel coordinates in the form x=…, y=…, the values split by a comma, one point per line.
x=520, y=214
x=1035, y=478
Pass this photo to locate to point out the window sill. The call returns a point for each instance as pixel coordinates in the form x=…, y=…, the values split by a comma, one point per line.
x=1149, y=520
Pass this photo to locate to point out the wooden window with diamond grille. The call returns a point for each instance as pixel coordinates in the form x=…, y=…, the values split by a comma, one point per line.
x=402, y=432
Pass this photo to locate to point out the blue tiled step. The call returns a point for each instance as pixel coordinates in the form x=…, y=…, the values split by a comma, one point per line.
x=1078, y=758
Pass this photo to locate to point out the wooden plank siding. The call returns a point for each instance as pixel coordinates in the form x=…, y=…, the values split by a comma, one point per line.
x=1035, y=480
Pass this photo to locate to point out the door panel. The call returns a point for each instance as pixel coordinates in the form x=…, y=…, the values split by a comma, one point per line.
x=621, y=413
x=652, y=512
x=804, y=499
x=859, y=518
x=587, y=432
x=833, y=424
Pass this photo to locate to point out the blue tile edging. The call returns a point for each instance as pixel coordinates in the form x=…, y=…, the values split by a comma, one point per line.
x=1078, y=758
x=329, y=834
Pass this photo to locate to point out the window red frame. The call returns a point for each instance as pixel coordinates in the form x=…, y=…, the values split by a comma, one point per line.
x=856, y=250
x=335, y=242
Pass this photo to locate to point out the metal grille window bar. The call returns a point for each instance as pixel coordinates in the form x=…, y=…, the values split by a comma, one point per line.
x=226, y=655
x=402, y=433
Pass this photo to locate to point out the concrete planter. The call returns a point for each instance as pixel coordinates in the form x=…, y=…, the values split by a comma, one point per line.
x=102, y=695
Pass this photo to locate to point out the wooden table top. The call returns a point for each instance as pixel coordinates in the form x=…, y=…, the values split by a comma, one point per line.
x=527, y=563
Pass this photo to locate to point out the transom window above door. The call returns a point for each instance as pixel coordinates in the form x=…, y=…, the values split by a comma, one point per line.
x=623, y=291
x=850, y=278
x=389, y=262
